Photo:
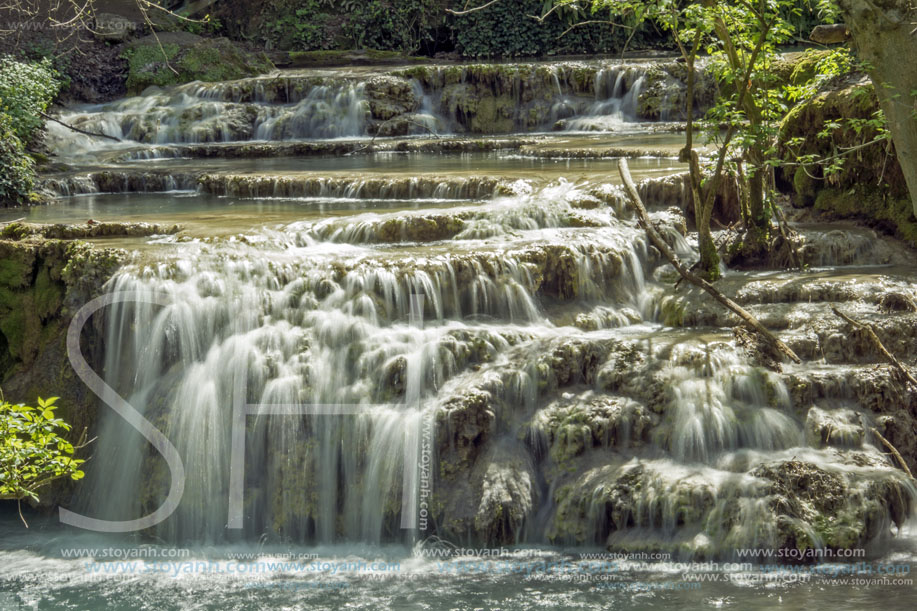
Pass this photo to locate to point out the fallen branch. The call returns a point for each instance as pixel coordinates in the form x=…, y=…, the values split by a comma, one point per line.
x=889, y=357
x=77, y=129
x=894, y=453
x=644, y=219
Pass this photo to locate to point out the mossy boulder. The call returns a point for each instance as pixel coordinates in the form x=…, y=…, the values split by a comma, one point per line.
x=390, y=96
x=872, y=169
x=891, y=215
x=798, y=68
x=841, y=510
x=178, y=57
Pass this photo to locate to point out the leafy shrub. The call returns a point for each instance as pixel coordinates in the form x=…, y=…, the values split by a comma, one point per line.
x=406, y=25
x=505, y=29
x=509, y=29
x=17, y=174
x=300, y=25
x=26, y=90
x=32, y=452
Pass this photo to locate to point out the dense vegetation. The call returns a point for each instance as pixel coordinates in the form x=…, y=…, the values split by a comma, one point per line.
x=508, y=28
x=26, y=91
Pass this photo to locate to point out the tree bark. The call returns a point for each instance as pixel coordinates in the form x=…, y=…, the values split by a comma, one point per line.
x=883, y=32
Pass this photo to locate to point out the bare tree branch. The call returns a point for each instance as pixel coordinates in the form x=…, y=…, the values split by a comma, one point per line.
x=894, y=452
x=471, y=10
x=77, y=129
x=644, y=220
x=888, y=356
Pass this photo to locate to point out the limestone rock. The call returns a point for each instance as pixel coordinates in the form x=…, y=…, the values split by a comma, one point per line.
x=114, y=28
x=841, y=428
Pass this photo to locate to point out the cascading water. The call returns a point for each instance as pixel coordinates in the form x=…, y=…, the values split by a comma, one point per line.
x=388, y=349
x=508, y=302
x=601, y=96
x=617, y=92
x=312, y=332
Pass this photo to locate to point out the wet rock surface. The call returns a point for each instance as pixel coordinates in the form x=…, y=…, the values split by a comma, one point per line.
x=43, y=282
x=567, y=390
x=91, y=229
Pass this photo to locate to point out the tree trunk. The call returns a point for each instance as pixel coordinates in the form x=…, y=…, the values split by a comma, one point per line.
x=703, y=214
x=882, y=32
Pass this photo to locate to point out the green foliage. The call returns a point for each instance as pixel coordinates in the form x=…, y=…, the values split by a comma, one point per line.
x=206, y=26
x=17, y=173
x=815, y=69
x=300, y=26
x=26, y=90
x=32, y=451
x=405, y=26
x=509, y=28
x=854, y=127
x=741, y=40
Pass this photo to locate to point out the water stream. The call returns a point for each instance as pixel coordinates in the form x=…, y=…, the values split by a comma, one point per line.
x=493, y=357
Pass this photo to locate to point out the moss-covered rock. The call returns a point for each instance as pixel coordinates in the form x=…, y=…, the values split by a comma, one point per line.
x=873, y=207
x=664, y=92
x=42, y=283
x=62, y=231
x=179, y=57
x=841, y=510
x=798, y=68
x=872, y=171
x=390, y=96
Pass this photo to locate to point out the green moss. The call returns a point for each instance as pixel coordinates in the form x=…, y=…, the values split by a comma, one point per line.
x=334, y=57
x=673, y=312
x=804, y=185
x=486, y=117
x=710, y=260
x=805, y=67
x=797, y=68
x=891, y=215
x=48, y=295
x=148, y=65
x=838, y=532
x=14, y=231
x=13, y=326
x=14, y=273
x=208, y=60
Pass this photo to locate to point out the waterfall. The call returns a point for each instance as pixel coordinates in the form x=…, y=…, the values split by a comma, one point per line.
x=373, y=349
x=615, y=102
x=326, y=112
x=600, y=96
x=292, y=323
